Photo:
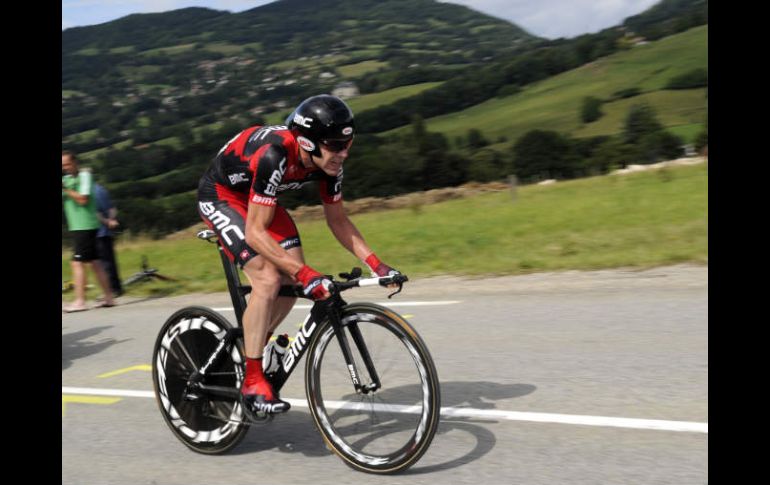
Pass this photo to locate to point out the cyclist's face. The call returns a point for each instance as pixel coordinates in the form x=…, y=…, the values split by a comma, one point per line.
x=332, y=157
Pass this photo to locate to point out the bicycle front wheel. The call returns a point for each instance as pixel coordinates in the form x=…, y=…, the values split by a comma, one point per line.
x=388, y=429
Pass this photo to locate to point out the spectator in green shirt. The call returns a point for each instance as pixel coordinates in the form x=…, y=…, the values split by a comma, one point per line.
x=80, y=210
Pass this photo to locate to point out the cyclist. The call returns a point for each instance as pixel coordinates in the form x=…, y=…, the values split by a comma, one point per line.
x=237, y=198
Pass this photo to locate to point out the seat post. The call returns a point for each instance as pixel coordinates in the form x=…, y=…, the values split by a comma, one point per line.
x=234, y=286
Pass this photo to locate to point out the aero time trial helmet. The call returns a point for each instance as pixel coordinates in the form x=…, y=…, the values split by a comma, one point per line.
x=322, y=119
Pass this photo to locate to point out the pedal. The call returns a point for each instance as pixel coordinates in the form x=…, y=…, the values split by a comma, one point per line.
x=188, y=396
x=256, y=418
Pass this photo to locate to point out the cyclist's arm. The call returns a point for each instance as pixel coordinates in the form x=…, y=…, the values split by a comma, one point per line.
x=345, y=231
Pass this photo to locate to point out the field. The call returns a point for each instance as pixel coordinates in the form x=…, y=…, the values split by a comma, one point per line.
x=366, y=101
x=369, y=101
x=675, y=109
x=638, y=220
x=360, y=68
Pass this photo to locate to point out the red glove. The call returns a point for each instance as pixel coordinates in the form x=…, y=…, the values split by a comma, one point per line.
x=315, y=285
x=379, y=268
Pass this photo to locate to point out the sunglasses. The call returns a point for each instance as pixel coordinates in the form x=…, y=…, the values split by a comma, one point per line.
x=337, y=145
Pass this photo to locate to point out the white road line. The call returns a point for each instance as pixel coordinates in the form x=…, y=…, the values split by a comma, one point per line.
x=651, y=424
x=106, y=392
x=689, y=426
x=384, y=303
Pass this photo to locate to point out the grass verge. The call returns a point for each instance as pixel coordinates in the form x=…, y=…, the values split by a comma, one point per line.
x=637, y=220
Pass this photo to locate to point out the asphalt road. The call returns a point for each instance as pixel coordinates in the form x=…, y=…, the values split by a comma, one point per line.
x=607, y=344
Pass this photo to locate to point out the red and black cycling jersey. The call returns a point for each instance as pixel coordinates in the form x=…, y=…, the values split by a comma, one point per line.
x=263, y=161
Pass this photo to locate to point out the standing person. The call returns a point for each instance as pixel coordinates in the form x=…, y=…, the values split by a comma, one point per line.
x=105, y=246
x=237, y=198
x=80, y=210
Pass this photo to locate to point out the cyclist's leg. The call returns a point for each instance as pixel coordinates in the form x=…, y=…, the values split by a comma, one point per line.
x=257, y=392
x=225, y=213
x=283, y=230
x=284, y=304
x=265, y=280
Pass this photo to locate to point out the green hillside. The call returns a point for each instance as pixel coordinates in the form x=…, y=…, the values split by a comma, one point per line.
x=148, y=99
x=367, y=101
x=676, y=110
x=196, y=66
x=555, y=103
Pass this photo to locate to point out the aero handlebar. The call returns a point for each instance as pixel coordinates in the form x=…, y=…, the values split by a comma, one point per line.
x=340, y=286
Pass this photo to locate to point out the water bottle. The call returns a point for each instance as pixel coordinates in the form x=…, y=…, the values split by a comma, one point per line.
x=273, y=354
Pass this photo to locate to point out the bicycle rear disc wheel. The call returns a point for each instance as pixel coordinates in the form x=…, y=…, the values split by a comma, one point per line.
x=206, y=424
x=382, y=431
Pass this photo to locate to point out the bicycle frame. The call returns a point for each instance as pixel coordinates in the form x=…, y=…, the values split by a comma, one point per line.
x=296, y=350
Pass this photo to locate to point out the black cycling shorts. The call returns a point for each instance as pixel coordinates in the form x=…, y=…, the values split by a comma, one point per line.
x=85, y=245
x=226, y=215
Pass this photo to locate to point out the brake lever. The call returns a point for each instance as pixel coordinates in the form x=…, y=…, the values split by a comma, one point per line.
x=400, y=280
x=400, y=287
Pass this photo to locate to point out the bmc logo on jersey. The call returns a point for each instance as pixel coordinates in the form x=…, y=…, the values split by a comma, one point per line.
x=221, y=222
x=306, y=144
x=302, y=120
x=262, y=200
x=291, y=186
x=237, y=178
x=275, y=178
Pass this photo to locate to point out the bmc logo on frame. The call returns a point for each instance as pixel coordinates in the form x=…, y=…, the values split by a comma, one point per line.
x=292, y=353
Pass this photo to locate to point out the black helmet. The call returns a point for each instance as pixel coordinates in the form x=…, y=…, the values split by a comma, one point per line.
x=320, y=118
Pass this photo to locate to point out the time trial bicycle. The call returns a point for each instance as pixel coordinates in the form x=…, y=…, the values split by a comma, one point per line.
x=370, y=382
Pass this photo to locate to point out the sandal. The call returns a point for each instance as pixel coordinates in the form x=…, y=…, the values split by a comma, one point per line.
x=73, y=309
x=102, y=304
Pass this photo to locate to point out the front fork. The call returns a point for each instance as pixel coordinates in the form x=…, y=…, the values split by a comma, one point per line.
x=355, y=332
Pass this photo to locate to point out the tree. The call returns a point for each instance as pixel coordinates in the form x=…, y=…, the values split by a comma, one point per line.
x=702, y=138
x=650, y=141
x=656, y=146
x=487, y=165
x=641, y=120
x=476, y=139
x=610, y=155
x=696, y=78
x=541, y=154
x=584, y=48
x=418, y=129
x=592, y=109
